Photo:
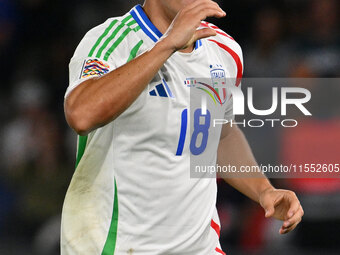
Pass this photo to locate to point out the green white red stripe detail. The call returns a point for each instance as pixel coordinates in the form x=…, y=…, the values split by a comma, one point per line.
x=236, y=58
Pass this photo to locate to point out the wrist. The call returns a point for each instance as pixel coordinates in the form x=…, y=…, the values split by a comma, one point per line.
x=264, y=189
x=165, y=45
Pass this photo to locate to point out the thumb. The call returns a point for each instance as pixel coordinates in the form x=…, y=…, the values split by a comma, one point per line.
x=269, y=212
x=204, y=33
x=269, y=209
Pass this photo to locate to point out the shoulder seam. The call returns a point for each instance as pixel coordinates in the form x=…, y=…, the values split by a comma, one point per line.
x=110, y=34
x=217, y=29
x=236, y=58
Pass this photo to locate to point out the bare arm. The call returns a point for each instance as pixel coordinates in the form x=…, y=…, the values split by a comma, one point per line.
x=234, y=150
x=98, y=101
x=93, y=104
x=280, y=204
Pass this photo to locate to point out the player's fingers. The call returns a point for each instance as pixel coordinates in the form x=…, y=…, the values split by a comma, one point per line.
x=211, y=12
x=295, y=218
x=202, y=10
x=207, y=6
x=204, y=33
x=287, y=230
x=199, y=3
x=294, y=205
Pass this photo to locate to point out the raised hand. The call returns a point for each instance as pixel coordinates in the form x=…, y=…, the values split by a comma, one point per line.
x=183, y=30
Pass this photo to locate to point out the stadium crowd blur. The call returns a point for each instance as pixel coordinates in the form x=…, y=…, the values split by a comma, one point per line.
x=281, y=38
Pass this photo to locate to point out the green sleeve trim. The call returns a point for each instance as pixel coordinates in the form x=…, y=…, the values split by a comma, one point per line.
x=82, y=140
x=107, y=30
x=110, y=244
x=133, y=52
x=108, y=40
x=116, y=43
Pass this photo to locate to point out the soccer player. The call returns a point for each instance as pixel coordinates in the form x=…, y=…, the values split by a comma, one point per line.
x=129, y=100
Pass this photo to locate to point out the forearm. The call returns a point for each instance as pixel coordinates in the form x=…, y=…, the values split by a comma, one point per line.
x=98, y=101
x=234, y=150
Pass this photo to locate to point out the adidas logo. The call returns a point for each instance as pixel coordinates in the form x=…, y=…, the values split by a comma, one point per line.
x=162, y=90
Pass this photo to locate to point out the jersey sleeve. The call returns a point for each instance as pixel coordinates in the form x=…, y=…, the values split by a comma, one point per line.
x=231, y=52
x=103, y=49
x=236, y=81
x=86, y=62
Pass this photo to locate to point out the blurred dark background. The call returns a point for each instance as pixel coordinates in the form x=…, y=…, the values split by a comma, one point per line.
x=282, y=38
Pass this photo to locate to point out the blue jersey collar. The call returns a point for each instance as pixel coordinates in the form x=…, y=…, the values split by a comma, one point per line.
x=148, y=28
x=146, y=25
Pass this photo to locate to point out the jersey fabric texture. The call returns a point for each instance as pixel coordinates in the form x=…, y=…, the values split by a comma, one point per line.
x=131, y=192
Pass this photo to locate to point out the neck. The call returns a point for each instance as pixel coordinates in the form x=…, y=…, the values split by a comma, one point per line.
x=158, y=15
x=161, y=17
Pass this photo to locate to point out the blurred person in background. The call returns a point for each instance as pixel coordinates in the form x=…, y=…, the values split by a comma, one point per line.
x=270, y=53
x=8, y=44
x=318, y=55
x=281, y=47
x=30, y=156
x=319, y=47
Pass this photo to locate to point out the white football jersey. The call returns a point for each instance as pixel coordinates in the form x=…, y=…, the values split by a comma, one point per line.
x=132, y=191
